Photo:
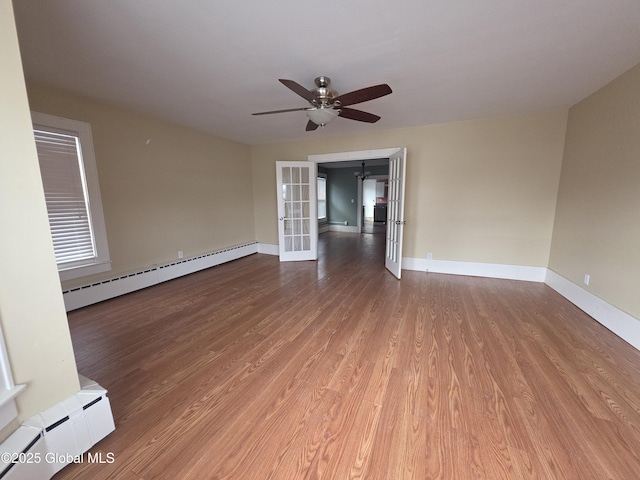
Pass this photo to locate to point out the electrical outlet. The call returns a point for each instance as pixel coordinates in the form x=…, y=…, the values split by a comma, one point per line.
x=429, y=256
x=587, y=278
x=180, y=254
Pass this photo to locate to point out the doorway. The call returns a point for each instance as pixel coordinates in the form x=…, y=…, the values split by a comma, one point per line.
x=394, y=228
x=375, y=190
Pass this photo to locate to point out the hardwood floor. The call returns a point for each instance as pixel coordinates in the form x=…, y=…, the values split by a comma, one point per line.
x=374, y=227
x=335, y=370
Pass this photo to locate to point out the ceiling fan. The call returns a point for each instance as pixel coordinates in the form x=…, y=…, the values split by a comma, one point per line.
x=326, y=104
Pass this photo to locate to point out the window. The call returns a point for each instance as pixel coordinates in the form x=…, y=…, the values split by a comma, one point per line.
x=322, y=197
x=8, y=390
x=72, y=194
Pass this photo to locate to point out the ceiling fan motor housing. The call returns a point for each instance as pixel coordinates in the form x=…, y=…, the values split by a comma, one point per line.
x=324, y=94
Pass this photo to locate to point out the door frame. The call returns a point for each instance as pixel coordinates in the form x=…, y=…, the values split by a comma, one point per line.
x=355, y=155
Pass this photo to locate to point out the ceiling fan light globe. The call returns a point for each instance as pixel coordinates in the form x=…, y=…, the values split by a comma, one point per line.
x=322, y=116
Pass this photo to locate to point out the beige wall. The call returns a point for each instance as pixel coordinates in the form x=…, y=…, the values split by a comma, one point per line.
x=164, y=187
x=477, y=191
x=597, y=227
x=32, y=312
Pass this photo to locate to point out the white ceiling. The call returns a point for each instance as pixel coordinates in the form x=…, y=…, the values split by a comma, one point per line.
x=209, y=64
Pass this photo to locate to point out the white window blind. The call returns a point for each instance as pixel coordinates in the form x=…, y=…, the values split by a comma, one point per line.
x=72, y=193
x=65, y=190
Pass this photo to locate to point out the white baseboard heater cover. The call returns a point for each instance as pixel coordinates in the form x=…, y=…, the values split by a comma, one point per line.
x=79, y=297
x=49, y=441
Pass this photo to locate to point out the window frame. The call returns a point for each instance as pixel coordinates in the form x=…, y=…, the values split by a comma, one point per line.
x=8, y=389
x=322, y=176
x=101, y=262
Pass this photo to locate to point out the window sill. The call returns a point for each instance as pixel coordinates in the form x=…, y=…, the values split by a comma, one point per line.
x=84, y=270
x=8, y=407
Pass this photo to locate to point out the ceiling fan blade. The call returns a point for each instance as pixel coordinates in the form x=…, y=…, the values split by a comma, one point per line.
x=363, y=95
x=299, y=89
x=311, y=126
x=282, y=111
x=359, y=115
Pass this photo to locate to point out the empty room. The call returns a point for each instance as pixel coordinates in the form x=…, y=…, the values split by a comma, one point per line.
x=337, y=240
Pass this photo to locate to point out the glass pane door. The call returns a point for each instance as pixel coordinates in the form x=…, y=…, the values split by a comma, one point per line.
x=395, y=212
x=297, y=210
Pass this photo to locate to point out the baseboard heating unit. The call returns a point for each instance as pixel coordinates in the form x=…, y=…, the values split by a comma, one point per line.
x=51, y=440
x=79, y=297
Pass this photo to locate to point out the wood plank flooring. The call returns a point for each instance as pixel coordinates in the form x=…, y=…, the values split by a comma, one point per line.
x=335, y=370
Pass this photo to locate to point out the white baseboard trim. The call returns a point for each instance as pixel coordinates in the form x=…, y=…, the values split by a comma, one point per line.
x=60, y=435
x=621, y=323
x=323, y=228
x=343, y=228
x=472, y=269
x=269, y=249
x=97, y=292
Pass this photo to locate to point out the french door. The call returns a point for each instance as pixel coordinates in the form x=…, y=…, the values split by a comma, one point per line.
x=297, y=210
x=395, y=212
